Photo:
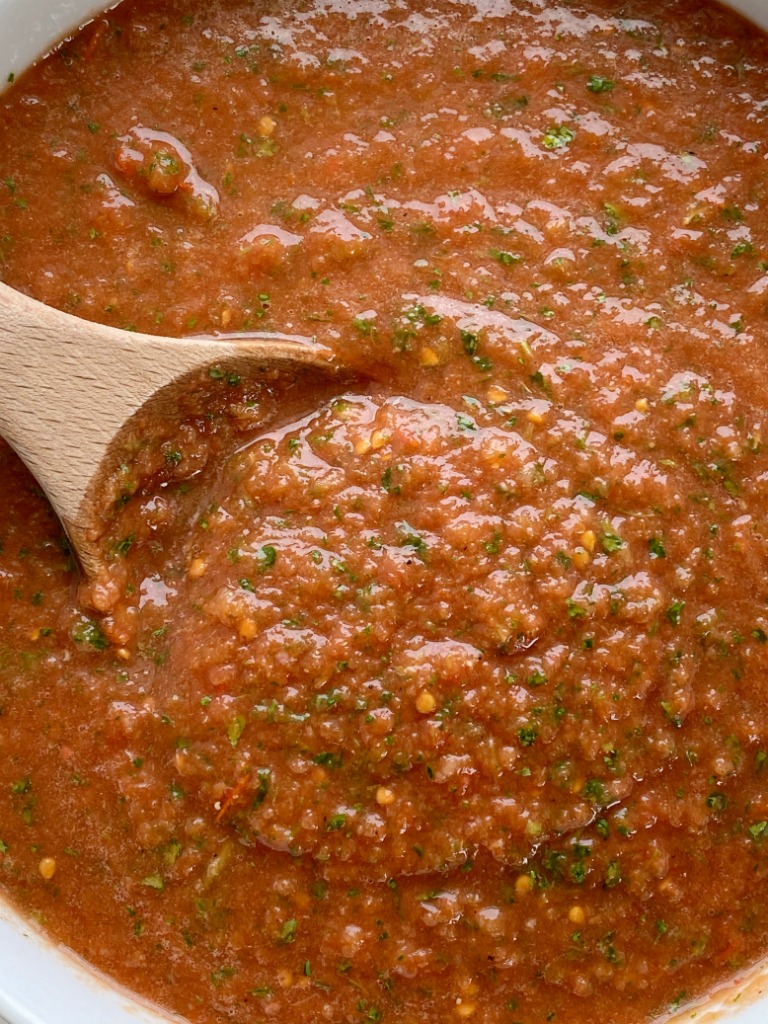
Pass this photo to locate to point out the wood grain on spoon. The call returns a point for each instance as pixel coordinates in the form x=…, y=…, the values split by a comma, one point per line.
x=69, y=389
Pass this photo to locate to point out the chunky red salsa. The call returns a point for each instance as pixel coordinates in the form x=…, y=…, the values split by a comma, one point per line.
x=441, y=697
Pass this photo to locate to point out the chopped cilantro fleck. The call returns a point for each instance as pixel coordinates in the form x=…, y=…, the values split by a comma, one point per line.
x=558, y=136
x=656, y=547
x=288, y=932
x=89, y=632
x=758, y=831
x=611, y=542
x=527, y=736
x=675, y=612
x=598, y=84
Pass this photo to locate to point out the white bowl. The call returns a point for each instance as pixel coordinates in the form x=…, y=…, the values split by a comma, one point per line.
x=44, y=984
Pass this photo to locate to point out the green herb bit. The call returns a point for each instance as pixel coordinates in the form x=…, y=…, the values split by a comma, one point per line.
x=505, y=258
x=267, y=557
x=419, y=545
x=742, y=249
x=122, y=547
x=675, y=612
x=494, y=545
x=471, y=343
x=656, y=547
x=613, y=876
x=671, y=714
x=420, y=315
x=171, y=851
x=236, y=728
x=597, y=84
x=717, y=802
x=387, y=484
x=222, y=974
x=288, y=932
x=758, y=831
x=365, y=327
x=541, y=381
x=594, y=790
x=612, y=219
x=558, y=136
x=527, y=736
x=611, y=542
x=680, y=999
x=231, y=378
x=328, y=759
x=89, y=632
x=154, y=882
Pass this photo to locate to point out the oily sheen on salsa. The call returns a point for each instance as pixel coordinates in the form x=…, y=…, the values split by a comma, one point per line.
x=437, y=692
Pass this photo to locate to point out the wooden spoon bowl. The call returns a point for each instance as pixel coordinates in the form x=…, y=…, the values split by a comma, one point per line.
x=72, y=391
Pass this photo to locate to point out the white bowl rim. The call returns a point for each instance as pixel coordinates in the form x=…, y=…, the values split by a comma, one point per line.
x=44, y=983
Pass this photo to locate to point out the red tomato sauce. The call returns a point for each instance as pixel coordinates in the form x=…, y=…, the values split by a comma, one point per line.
x=437, y=693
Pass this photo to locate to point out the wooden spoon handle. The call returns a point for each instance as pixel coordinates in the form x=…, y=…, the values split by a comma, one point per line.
x=69, y=386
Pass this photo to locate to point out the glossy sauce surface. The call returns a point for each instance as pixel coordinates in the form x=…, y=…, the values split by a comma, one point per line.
x=441, y=697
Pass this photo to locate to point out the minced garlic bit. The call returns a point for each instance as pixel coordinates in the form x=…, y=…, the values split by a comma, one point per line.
x=588, y=540
x=523, y=885
x=426, y=703
x=428, y=357
x=641, y=405
x=248, y=629
x=534, y=416
x=384, y=796
x=581, y=558
x=363, y=446
x=47, y=868
x=576, y=915
x=197, y=568
x=267, y=126
x=465, y=1008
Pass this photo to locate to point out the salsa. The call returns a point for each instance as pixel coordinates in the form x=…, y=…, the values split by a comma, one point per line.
x=438, y=693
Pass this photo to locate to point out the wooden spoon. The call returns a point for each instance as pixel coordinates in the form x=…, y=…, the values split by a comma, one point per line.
x=70, y=389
